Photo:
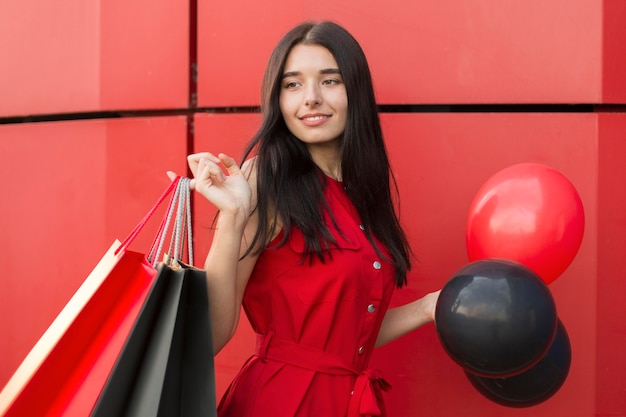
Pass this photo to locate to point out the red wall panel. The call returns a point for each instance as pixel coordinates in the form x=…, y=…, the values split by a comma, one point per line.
x=144, y=55
x=47, y=212
x=613, y=56
x=76, y=56
x=611, y=324
x=479, y=52
x=51, y=56
x=446, y=52
x=71, y=188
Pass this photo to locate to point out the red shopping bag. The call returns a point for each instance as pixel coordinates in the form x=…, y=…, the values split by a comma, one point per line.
x=66, y=370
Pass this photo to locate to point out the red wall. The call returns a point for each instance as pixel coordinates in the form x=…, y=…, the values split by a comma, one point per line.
x=87, y=55
x=72, y=186
x=449, y=51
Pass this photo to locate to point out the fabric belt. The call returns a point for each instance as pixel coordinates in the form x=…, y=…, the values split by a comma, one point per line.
x=369, y=383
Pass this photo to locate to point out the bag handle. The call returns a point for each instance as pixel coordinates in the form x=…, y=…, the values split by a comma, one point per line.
x=180, y=211
x=182, y=225
x=180, y=187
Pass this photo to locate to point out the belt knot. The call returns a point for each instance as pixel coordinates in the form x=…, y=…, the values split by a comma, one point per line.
x=367, y=396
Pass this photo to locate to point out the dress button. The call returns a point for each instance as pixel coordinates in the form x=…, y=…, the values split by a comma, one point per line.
x=361, y=350
x=371, y=308
x=362, y=227
x=376, y=265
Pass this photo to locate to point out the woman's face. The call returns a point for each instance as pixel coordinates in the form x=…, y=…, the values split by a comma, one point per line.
x=313, y=99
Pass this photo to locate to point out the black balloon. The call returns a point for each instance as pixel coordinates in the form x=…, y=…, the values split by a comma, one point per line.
x=534, y=385
x=495, y=318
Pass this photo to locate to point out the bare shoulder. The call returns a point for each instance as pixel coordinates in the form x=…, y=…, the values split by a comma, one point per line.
x=249, y=170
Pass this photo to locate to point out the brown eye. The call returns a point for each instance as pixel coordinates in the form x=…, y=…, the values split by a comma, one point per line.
x=331, y=81
x=291, y=84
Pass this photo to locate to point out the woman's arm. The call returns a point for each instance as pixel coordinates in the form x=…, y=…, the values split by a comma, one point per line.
x=404, y=319
x=227, y=277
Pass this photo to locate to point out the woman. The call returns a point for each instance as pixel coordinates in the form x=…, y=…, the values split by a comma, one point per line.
x=307, y=239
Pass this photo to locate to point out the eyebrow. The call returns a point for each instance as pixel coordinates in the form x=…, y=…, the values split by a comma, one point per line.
x=323, y=72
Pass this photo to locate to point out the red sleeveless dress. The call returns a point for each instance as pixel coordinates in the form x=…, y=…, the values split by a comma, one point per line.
x=316, y=326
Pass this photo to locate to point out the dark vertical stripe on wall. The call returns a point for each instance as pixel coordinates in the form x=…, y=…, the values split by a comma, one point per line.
x=193, y=77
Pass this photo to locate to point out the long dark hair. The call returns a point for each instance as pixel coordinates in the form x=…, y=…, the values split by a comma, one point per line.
x=289, y=184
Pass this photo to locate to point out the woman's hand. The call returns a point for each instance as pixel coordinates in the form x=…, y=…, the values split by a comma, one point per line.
x=229, y=192
x=428, y=304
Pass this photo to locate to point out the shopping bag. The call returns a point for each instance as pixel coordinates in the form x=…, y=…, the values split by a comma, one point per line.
x=64, y=373
x=166, y=367
x=66, y=369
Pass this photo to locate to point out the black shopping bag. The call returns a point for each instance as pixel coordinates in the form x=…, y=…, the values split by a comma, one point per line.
x=166, y=367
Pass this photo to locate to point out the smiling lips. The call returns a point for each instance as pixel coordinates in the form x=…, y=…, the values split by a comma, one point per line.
x=314, y=119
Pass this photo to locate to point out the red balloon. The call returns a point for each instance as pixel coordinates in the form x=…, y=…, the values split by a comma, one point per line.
x=529, y=213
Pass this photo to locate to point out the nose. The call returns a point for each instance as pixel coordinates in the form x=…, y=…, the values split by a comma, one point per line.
x=313, y=95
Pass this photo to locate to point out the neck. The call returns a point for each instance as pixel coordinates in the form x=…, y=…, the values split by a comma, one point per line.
x=334, y=174
x=328, y=160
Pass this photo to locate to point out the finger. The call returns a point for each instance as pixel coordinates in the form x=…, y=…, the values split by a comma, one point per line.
x=210, y=170
x=194, y=160
x=204, y=172
x=210, y=175
x=203, y=155
x=229, y=163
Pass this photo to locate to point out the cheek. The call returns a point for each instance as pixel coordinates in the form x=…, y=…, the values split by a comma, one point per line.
x=287, y=112
x=342, y=109
x=340, y=102
x=286, y=105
